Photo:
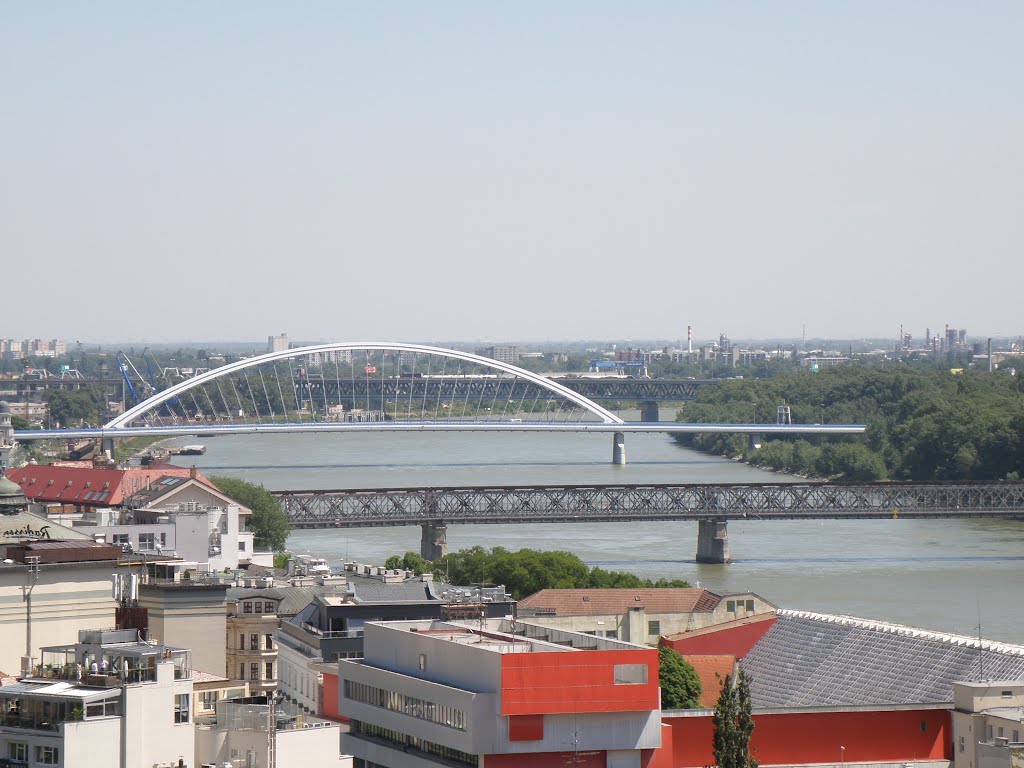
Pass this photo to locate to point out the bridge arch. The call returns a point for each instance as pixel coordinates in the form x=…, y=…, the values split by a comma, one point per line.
x=154, y=402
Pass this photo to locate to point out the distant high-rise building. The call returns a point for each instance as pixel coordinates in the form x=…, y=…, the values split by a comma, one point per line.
x=503, y=353
x=277, y=343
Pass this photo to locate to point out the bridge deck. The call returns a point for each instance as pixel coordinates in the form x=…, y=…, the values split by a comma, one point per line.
x=624, y=503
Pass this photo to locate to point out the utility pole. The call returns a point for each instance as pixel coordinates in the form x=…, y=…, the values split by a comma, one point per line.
x=31, y=577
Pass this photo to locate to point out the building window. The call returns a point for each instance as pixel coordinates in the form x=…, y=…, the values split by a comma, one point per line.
x=990, y=733
x=247, y=607
x=209, y=700
x=181, y=708
x=612, y=634
x=47, y=755
x=630, y=674
x=653, y=627
x=257, y=607
x=18, y=751
x=1016, y=737
x=750, y=606
x=254, y=642
x=119, y=538
x=1000, y=734
x=961, y=743
x=270, y=670
x=241, y=641
x=241, y=546
x=254, y=671
x=163, y=539
x=147, y=541
x=241, y=671
x=730, y=606
x=270, y=642
x=423, y=662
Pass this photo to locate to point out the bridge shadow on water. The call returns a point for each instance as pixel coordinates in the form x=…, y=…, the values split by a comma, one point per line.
x=626, y=564
x=460, y=465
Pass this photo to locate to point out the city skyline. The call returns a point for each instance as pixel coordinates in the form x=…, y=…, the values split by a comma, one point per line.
x=587, y=170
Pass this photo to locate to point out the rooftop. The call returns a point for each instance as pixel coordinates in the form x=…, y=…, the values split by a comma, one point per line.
x=591, y=602
x=505, y=636
x=92, y=486
x=814, y=659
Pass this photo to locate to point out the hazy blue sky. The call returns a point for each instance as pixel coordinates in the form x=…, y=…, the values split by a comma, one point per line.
x=527, y=170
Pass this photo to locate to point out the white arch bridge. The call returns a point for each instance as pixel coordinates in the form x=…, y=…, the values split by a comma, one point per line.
x=378, y=386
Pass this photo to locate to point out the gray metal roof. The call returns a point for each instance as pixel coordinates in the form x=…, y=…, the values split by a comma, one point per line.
x=372, y=590
x=808, y=659
x=291, y=599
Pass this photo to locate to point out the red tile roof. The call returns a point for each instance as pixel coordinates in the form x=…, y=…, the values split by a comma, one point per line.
x=599, y=602
x=90, y=486
x=712, y=671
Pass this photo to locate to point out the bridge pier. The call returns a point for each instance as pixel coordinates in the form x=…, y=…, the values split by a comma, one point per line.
x=107, y=445
x=434, y=540
x=712, y=542
x=619, y=448
x=755, y=441
x=649, y=411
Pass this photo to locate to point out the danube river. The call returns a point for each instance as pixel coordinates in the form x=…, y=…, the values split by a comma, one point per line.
x=939, y=574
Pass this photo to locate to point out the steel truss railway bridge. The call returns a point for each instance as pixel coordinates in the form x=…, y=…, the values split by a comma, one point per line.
x=392, y=386
x=711, y=505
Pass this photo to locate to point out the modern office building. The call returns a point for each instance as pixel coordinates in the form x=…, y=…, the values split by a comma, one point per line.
x=500, y=694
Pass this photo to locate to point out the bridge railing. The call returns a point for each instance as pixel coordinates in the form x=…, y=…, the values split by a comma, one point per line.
x=411, y=506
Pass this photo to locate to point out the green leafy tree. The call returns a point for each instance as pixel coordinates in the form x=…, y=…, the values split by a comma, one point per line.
x=268, y=522
x=734, y=724
x=680, y=685
x=527, y=571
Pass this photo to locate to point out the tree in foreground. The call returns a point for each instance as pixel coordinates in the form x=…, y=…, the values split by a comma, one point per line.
x=734, y=723
x=268, y=522
x=680, y=685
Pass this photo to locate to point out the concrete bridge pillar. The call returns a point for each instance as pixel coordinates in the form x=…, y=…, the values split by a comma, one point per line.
x=107, y=445
x=755, y=441
x=712, y=542
x=434, y=540
x=649, y=411
x=619, y=448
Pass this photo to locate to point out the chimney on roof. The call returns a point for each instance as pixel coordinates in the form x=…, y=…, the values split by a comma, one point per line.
x=192, y=472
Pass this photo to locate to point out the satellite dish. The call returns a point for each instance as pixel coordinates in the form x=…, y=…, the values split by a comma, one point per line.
x=158, y=548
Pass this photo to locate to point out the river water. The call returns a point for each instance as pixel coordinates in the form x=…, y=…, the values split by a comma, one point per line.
x=939, y=574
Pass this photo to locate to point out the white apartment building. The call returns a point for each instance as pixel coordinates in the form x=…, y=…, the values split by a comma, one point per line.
x=108, y=701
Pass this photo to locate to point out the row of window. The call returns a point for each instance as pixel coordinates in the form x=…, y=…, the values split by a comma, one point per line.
x=258, y=606
x=406, y=742
x=452, y=717
x=254, y=642
x=254, y=671
x=18, y=751
x=731, y=606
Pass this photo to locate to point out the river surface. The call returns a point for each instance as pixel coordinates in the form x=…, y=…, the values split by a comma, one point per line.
x=938, y=574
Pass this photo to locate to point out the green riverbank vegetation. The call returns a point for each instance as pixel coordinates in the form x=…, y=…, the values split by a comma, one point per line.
x=923, y=423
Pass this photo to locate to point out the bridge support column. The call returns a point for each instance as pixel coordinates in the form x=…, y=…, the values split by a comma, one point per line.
x=712, y=542
x=434, y=540
x=619, y=448
x=107, y=446
x=649, y=411
x=754, y=442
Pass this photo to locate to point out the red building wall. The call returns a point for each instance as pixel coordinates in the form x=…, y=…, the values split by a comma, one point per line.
x=815, y=737
x=331, y=698
x=733, y=641
x=546, y=683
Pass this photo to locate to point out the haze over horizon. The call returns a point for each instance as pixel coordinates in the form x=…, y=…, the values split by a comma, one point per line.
x=550, y=172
